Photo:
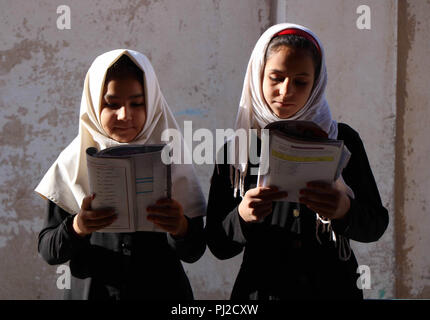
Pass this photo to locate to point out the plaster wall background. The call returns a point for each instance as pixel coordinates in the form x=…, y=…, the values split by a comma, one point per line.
x=199, y=50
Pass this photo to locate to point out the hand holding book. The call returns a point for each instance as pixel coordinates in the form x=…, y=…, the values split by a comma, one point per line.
x=330, y=200
x=168, y=214
x=87, y=220
x=298, y=152
x=128, y=179
x=257, y=203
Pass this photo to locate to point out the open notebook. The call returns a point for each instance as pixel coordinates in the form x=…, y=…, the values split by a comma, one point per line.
x=128, y=179
x=298, y=152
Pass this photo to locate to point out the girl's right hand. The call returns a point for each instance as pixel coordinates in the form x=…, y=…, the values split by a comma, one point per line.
x=87, y=221
x=257, y=203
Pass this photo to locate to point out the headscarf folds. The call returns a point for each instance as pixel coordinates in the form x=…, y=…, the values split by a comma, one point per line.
x=66, y=181
x=255, y=113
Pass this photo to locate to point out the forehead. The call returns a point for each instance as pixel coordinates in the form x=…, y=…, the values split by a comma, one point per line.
x=123, y=86
x=291, y=60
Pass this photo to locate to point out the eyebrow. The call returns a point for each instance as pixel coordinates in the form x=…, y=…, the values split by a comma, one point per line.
x=109, y=96
x=299, y=74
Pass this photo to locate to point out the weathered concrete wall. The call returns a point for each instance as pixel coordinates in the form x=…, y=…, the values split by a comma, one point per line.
x=200, y=50
x=412, y=169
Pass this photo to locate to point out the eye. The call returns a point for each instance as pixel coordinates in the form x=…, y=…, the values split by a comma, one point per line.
x=301, y=83
x=276, y=79
x=138, y=104
x=111, y=105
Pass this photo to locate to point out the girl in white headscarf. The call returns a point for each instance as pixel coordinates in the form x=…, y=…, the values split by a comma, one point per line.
x=286, y=253
x=121, y=103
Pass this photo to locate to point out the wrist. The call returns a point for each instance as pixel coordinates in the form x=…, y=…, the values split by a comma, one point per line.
x=183, y=228
x=75, y=228
x=342, y=215
x=241, y=216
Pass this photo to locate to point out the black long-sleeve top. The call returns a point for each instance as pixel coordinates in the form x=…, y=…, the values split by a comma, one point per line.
x=281, y=264
x=138, y=265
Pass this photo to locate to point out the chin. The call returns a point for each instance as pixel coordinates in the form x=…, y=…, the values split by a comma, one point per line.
x=122, y=139
x=285, y=116
x=282, y=115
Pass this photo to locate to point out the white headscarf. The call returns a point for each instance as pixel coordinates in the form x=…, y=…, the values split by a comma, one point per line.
x=255, y=113
x=66, y=181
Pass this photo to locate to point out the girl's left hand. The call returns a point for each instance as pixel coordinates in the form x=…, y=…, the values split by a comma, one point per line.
x=168, y=214
x=329, y=200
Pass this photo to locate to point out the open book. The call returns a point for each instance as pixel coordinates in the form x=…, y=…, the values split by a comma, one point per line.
x=299, y=152
x=128, y=179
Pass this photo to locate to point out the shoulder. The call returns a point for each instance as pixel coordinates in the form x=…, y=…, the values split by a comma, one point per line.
x=223, y=153
x=222, y=165
x=344, y=130
x=350, y=136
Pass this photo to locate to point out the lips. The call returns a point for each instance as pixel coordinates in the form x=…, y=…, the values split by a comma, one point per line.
x=123, y=129
x=285, y=104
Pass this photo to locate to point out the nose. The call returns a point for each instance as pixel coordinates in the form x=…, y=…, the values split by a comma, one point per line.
x=285, y=87
x=124, y=113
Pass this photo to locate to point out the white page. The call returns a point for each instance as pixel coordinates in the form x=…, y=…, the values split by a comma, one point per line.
x=292, y=165
x=343, y=162
x=151, y=178
x=108, y=180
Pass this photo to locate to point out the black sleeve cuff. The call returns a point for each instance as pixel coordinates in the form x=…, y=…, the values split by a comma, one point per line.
x=235, y=227
x=192, y=246
x=341, y=226
x=71, y=235
x=171, y=237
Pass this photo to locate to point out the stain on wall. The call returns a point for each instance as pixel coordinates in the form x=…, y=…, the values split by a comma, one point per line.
x=401, y=94
x=413, y=149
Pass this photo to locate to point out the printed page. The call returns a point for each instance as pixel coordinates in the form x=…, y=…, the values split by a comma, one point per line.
x=343, y=162
x=110, y=180
x=151, y=184
x=294, y=163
